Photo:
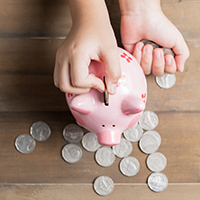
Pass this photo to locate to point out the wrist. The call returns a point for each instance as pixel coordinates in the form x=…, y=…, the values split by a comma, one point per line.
x=139, y=7
x=88, y=10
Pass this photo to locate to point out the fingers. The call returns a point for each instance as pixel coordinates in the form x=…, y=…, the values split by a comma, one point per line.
x=112, y=69
x=80, y=76
x=154, y=60
x=146, y=60
x=62, y=80
x=137, y=53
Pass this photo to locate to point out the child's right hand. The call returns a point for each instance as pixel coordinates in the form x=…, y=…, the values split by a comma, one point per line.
x=91, y=38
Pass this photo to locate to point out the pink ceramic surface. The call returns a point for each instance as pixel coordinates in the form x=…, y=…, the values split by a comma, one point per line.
x=124, y=109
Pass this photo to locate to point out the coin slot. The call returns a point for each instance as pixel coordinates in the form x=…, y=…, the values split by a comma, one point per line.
x=106, y=95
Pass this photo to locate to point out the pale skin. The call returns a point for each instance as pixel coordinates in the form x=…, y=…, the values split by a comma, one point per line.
x=91, y=36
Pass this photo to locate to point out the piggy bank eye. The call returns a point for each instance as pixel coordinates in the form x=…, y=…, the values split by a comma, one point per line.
x=103, y=125
x=113, y=125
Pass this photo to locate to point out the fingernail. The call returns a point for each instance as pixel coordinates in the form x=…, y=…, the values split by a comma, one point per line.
x=168, y=61
x=157, y=54
x=113, y=89
x=139, y=46
x=148, y=50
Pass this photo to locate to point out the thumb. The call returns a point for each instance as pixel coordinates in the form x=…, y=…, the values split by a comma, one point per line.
x=112, y=69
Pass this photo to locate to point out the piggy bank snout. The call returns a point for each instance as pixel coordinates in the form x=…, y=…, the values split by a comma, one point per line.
x=109, y=137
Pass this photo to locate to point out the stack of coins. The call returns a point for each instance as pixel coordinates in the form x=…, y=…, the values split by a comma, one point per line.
x=39, y=131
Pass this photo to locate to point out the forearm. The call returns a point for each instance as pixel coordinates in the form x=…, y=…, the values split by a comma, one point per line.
x=87, y=10
x=138, y=6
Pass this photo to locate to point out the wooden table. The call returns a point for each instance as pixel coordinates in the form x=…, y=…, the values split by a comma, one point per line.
x=31, y=31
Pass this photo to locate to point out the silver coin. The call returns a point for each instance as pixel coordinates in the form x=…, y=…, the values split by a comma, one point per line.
x=40, y=131
x=72, y=133
x=24, y=143
x=71, y=153
x=103, y=185
x=156, y=134
x=149, y=143
x=123, y=149
x=157, y=182
x=166, y=81
x=134, y=133
x=90, y=142
x=129, y=166
x=156, y=162
x=105, y=156
x=148, y=120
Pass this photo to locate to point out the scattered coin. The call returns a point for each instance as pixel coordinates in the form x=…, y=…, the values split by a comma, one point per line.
x=149, y=143
x=166, y=81
x=105, y=156
x=90, y=142
x=103, y=185
x=148, y=120
x=72, y=133
x=156, y=162
x=24, y=143
x=123, y=149
x=156, y=134
x=129, y=166
x=157, y=182
x=71, y=153
x=134, y=133
x=40, y=131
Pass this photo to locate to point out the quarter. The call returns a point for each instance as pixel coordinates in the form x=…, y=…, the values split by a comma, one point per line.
x=166, y=81
x=129, y=166
x=105, y=156
x=103, y=185
x=90, y=142
x=148, y=120
x=71, y=153
x=40, y=131
x=24, y=143
x=156, y=162
x=157, y=182
x=123, y=149
x=72, y=133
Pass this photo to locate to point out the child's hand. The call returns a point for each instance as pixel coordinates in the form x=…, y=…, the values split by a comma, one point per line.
x=147, y=21
x=91, y=38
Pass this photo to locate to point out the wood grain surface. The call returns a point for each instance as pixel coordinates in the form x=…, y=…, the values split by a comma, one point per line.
x=30, y=33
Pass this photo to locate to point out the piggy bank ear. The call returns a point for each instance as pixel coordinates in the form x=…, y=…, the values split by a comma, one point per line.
x=132, y=105
x=82, y=104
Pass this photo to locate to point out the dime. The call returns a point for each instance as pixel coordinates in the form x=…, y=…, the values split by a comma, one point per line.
x=90, y=142
x=40, y=131
x=71, y=153
x=129, y=166
x=156, y=162
x=157, y=182
x=105, y=156
x=156, y=134
x=149, y=143
x=123, y=149
x=24, y=143
x=148, y=120
x=72, y=133
x=166, y=81
x=103, y=185
x=134, y=133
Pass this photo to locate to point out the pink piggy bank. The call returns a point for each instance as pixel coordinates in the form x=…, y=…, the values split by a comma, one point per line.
x=125, y=106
